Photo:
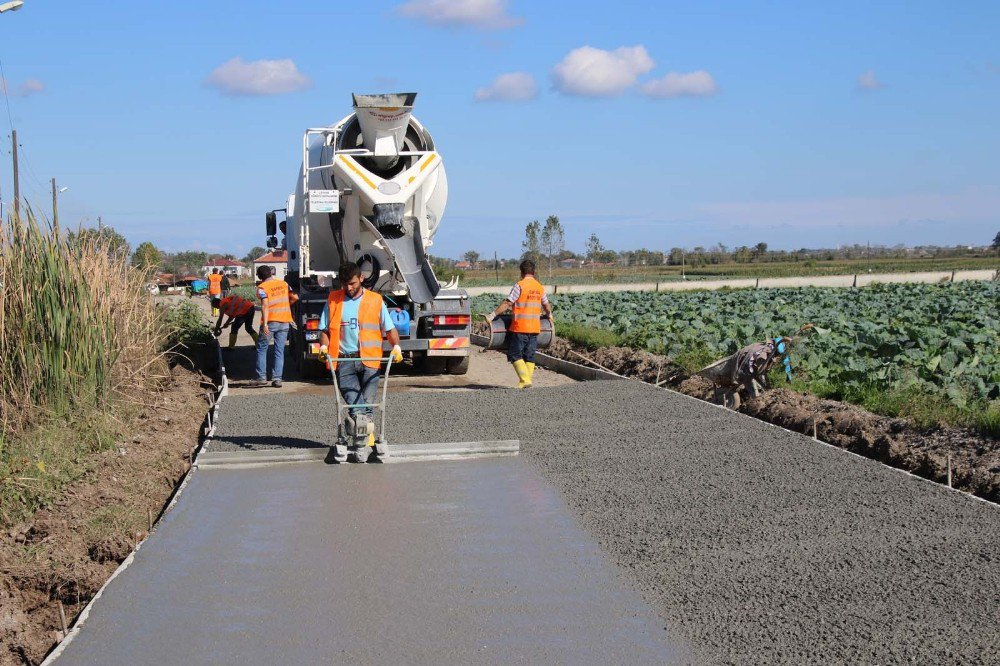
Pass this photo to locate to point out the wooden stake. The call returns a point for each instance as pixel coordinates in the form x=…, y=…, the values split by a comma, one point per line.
x=149, y=514
x=814, y=430
x=62, y=618
x=592, y=362
x=949, y=470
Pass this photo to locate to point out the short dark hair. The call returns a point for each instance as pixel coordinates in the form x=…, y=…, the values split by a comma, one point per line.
x=527, y=267
x=264, y=272
x=348, y=270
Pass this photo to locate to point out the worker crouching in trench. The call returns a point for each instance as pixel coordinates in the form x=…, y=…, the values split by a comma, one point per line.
x=351, y=327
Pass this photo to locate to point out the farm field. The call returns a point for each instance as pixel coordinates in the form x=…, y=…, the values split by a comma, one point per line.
x=928, y=352
x=778, y=269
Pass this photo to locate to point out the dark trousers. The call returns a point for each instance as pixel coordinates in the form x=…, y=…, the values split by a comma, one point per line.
x=521, y=347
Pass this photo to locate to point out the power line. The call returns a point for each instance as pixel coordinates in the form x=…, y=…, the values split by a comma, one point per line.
x=3, y=79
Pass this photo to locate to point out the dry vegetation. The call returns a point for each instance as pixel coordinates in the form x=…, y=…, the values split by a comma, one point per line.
x=96, y=427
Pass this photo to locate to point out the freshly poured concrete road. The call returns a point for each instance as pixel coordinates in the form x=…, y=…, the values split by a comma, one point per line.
x=759, y=545
x=425, y=563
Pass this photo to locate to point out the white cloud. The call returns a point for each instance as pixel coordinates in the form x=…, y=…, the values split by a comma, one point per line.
x=237, y=77
x=868, y=81
x=674, y=84
x=30, y=87
x=512, y=87
x=27, y=89
x=591, y=72
x=483, y=14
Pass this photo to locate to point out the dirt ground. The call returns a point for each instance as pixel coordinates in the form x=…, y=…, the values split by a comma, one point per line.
x=974, y=459
x=66, y=552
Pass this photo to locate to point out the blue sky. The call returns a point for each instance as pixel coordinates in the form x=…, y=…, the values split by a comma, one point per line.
x=650, y=124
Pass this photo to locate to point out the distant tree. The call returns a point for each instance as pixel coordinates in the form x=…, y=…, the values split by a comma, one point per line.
x=996, y=242
x=676, y=256
x=115, y=243
x=553, y=239
x=255, y=252
x=472, y=257
x=182, y=263
x=530, y=246
x=594, y=248
x=146, y=256
x=759, y=250
x=742, y=255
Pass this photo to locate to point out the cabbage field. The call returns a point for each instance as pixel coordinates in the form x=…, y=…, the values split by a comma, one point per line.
x=941, y=340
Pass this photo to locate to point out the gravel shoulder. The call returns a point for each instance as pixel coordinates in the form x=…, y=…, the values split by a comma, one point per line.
x=761, y=545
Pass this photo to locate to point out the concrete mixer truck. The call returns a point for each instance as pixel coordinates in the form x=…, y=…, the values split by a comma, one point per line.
x=372, y=189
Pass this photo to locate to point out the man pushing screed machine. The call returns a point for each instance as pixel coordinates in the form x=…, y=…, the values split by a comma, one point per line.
x=352, y=325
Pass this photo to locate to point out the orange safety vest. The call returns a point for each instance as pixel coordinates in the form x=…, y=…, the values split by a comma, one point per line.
x=369, y=326
x=528, y=307
x=214, y=284
x=235, y=306
x=279, y=308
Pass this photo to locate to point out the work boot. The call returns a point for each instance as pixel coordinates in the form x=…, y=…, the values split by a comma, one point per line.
x=257, y=383
x=232, y=340
x=276, y=383
x=522, y=373
x=531, y=371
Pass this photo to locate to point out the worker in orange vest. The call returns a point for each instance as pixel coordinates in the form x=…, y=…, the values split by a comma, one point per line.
x=275, y=322
x=239, y=312
x=214, y=288
x=352, y=326
x=528, y=299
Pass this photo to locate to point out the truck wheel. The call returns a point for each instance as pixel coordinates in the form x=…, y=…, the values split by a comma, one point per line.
x=429, y=365
x=458, y=365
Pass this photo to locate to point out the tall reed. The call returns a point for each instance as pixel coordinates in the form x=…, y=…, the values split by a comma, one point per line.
x=77, y=330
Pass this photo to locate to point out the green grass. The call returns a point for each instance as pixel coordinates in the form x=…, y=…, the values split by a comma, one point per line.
x=925, y=408
x=587, y=337
x=36, y=465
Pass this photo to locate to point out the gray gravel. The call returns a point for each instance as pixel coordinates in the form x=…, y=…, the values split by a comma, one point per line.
x=760, y=545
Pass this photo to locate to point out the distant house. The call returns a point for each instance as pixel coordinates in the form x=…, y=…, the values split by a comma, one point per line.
x=463, y=265
x=277, y=259
x=226, y=267
x=570, y=263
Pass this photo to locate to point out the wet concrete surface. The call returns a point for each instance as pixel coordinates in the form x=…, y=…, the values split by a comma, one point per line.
x=761, y=545
x=445, y=562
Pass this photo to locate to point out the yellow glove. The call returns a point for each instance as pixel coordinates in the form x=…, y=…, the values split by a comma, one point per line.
x=324, y=352
x=397, y=354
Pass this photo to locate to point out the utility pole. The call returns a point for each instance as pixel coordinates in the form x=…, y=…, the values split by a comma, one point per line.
x=55, y=207
x=496, y=265
x=17, y=182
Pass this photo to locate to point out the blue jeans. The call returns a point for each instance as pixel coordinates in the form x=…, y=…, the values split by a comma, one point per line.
x=358, y=384
x=522, y=346
x=280, y=334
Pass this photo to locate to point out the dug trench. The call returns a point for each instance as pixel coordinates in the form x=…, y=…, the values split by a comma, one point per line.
x=973, y=458
x=66, y=551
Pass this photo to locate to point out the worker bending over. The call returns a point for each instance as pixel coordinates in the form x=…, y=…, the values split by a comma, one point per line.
x=351, y=327
x=214, y=288
x=275, y=320
x=239, y=312
x=527, y=298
